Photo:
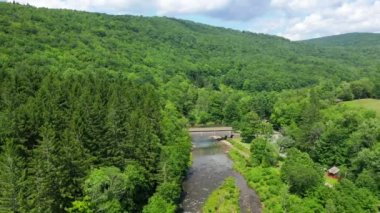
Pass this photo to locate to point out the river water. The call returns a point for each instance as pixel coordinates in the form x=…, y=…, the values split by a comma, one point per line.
x=210, y=167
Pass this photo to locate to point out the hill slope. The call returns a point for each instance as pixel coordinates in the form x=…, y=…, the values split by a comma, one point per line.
x=348, y=40
x=207, y=56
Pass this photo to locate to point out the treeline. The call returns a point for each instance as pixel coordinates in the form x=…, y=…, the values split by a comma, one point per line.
x=93, y=139
x=235, y=107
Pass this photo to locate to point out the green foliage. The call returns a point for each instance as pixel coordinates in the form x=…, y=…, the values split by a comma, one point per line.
x=69, y=122
x=362, y=88
x=346, y=132
x=243, y=147
x=167, y=194
x=345, y=197
x=286, y=143
x=331, y=134
x=263, y=153
x=109, y=189
x=288, y=108
x=354, y=199
x=158, y=204
x=252, y=127
x=274, y=194
x=366, y=179
x=295, y=204
x=301, y=173
x=265, y=181
x=81, y=206
x=11, y=177
x=345, y=92
x=56, y=172
x=224, y=199
x=366, y=166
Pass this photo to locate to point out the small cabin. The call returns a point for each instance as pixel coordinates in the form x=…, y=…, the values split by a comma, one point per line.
x=333, y=171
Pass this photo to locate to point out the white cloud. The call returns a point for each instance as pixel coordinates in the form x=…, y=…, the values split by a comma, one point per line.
x=304, y=5
x=240, y=10
x=161, y=6
x=355, y=16
x=86, y=5
x=185, y=6
x=294, y=19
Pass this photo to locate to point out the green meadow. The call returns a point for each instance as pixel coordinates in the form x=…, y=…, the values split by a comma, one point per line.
x=370, y=104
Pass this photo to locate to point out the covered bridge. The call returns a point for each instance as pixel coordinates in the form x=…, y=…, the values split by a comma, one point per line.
x=221, y=131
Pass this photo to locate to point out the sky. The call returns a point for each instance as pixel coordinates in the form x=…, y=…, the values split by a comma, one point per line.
x=293, y=19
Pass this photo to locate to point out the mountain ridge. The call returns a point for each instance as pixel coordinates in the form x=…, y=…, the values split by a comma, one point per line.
x=355, y=39
x=208, y=56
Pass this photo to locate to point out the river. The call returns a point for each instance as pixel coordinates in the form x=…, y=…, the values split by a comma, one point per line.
x=210, y=167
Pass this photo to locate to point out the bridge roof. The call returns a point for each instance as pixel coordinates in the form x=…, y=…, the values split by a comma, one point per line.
x=210, y=129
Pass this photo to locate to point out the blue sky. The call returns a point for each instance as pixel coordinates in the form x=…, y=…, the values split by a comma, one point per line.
x=293, y=19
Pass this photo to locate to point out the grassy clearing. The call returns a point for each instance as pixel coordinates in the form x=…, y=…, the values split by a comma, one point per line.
x=330, y=180
x=224, y=199
x=243, y=147
x=370, y=104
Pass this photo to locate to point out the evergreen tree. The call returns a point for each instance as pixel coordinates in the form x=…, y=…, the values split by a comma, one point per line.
x=11, y=175
x=44, y=185
x=116, y=137
x=58, y=169
x=72, y=165
x=263, y=153
x=311, y=131
x=250, y=125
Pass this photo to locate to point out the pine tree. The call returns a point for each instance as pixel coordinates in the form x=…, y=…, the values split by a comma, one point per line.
x=91, y=123
x=10, y=178
x=311, y=129
x=58, y=171
x=72, y=165
x=43, y=181
x=115, y=148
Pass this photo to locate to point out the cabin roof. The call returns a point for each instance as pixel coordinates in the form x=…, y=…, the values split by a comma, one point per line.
x=333, y=170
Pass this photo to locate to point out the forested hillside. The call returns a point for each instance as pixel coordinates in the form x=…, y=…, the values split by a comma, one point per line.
x=94, y=107
x=208, y=56
x=358, y=40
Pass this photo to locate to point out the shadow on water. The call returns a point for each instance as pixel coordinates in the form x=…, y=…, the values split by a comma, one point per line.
x=210, y=167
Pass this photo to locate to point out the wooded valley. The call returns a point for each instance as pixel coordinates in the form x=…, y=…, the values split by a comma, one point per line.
x=94, y=111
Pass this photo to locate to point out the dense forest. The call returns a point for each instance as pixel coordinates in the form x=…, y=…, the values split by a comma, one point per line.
x=318, y=133
x=94, y=110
